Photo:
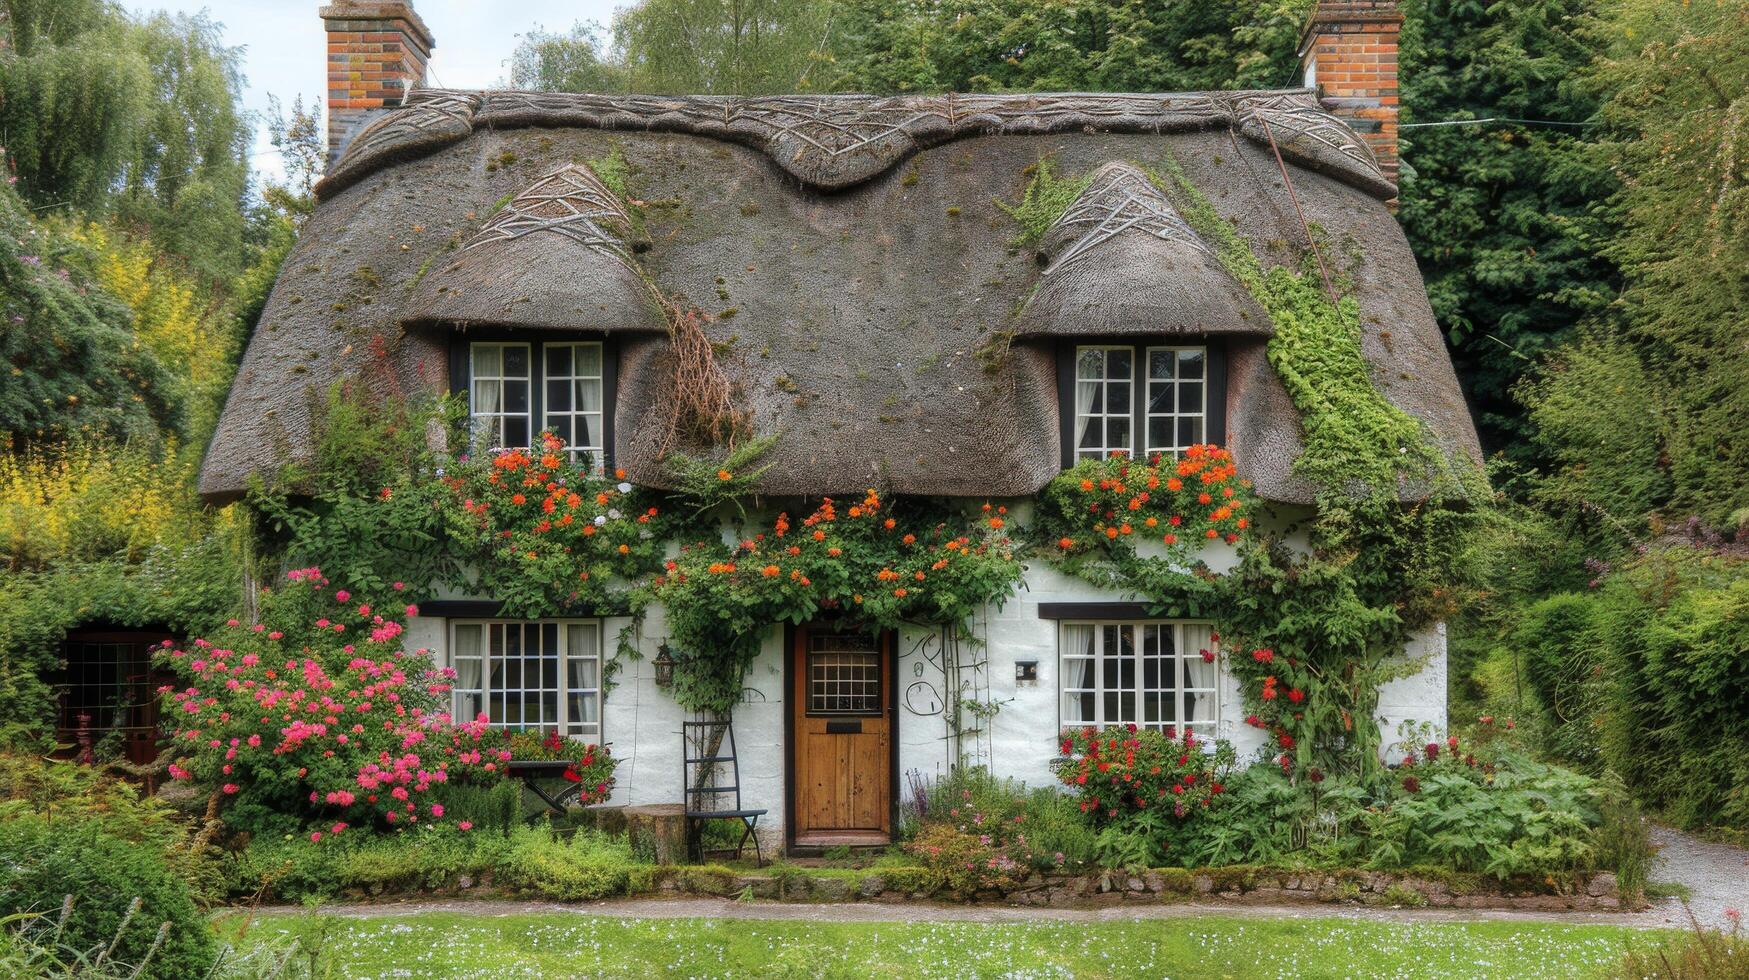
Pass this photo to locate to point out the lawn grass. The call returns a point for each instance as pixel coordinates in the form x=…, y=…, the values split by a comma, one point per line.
x=528, y=945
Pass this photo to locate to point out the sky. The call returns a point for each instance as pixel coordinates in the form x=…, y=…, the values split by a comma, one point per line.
x=284, y=52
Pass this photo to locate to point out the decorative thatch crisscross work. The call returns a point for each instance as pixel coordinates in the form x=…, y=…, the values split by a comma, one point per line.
x=569, y=201
x=837, y=141
x=1120, y=198
x=1281, y=111
x=431, y=117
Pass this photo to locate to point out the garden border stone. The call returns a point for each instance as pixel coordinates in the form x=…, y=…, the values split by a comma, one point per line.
x=1240, y=884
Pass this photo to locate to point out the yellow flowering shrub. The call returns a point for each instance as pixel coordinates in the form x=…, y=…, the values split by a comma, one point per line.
x=94, y=500
x=188, y=332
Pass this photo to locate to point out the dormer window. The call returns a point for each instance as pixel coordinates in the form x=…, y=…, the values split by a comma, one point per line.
x=518, y=388
x=1138, y=399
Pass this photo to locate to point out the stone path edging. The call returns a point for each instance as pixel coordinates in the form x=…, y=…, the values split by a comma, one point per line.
x=724, y=908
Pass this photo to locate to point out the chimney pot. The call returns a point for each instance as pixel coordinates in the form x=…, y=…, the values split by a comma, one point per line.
x=375, y=48
x=1349, y=54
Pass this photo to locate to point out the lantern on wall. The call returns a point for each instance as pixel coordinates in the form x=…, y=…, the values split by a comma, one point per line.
x=664, y=664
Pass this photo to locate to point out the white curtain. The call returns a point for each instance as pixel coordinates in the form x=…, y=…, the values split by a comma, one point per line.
x=1085, y=394
x=1201, y=677
x=485, y=410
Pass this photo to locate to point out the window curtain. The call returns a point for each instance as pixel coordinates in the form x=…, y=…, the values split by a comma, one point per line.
x=1201, y=675
x=1085, y=394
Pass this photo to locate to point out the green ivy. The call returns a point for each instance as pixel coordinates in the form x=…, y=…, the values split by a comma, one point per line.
x=1043, y=201
x=1355, y=440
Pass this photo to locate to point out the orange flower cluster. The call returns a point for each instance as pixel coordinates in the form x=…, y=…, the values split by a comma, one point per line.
x=570, y=531
x=1197, y=497
x=855, y=556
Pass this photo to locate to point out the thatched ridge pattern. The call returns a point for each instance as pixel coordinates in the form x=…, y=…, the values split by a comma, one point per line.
x=831, y=142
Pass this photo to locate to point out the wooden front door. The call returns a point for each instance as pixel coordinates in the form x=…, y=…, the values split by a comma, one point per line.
x=841, y=771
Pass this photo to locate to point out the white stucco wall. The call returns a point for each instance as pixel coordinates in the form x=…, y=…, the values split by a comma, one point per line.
x=642, y=723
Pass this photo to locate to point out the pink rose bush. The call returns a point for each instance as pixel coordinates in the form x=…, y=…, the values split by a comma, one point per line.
x=322, y=713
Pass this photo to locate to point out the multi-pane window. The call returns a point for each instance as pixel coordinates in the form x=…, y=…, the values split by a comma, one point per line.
x=536, y=675
x=1177, y=398
x=844, y=674
x=1168, y=413
x=573, y=396
x=1105, y=381
x=1151, y=674
x=498, y=394
x=516, y=389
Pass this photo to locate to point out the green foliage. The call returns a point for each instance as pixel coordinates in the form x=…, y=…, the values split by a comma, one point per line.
x=1043, y=201
x=1356, y=442
x=879, y=566
x=584, y=867
x=889, y=46
x=428, y=857
x=550, y=61
x=961, y=859
x=1643, y=413
x=64, y=792
x=1674, y=718
x=74, y=90
x=187, y=588
x=1509, y=817
x=1036, y=827
x=1559, y=642
x=1146, y=790
x=74, y=364
x=139, y=117
x=1624, y=841
x=1702, y=954
x=492, y=807
x=709, y=485
x=1600, y=420
x=1504, y=217
x=1673, y=124
x=43, y=861
x=706, y=47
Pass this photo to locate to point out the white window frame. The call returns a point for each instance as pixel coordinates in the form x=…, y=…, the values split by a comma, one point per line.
x=1189, y=639
x=468, y=690
x=1174, y=445
x=1102, y=414
x=573, y=379
x=480, y=421
x=1139, y=414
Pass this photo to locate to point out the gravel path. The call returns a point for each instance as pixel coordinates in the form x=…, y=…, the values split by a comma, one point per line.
x=1717, y=876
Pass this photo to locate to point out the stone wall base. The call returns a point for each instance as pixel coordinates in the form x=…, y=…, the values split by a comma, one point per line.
x=1248, y=886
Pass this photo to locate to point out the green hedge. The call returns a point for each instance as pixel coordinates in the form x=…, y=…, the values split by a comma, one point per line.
x=44, y=860
x=1648, y=674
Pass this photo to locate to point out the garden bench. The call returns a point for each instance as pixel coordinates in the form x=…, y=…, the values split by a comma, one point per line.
x=707, y=750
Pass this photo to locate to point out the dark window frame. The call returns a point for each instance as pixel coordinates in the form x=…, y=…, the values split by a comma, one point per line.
x=1214, y=394
x=461, y=342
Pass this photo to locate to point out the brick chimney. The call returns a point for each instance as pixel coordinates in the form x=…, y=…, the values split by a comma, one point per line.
x=1349, y=54
x=377, y=50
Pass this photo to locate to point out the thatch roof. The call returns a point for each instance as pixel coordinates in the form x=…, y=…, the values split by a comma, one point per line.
x=861, y=275
x=1122, y=258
